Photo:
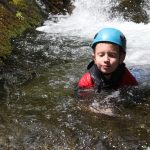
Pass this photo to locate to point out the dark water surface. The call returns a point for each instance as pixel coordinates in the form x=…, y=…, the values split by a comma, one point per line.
x=39, y=110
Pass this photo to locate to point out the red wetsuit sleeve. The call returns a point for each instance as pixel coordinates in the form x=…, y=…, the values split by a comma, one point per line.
x=86, y=81
x=128, y=79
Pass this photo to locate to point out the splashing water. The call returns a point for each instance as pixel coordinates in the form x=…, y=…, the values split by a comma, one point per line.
x=90, y=16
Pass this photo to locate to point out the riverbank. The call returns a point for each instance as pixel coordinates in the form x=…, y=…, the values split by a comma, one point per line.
x=16, y=16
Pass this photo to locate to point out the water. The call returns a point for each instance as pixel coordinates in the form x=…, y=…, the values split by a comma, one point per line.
x=39, y=109
x=95, y=15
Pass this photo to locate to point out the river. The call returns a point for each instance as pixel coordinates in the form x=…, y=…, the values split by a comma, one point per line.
x=39, y=108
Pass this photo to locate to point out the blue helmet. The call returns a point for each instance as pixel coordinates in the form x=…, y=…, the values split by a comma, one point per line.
x=111, y=35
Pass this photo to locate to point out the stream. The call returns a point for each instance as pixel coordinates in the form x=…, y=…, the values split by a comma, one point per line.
x=39, y=107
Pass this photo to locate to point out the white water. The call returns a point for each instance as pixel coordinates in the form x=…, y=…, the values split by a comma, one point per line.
x=89, y=16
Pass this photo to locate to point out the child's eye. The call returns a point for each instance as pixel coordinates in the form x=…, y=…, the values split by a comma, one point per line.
x=113, y=55
x=101, y=54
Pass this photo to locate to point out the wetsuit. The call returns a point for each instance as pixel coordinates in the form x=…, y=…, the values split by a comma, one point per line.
x=95, y=79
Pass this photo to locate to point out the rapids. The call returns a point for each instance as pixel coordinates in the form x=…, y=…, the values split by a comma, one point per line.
x=39, y=107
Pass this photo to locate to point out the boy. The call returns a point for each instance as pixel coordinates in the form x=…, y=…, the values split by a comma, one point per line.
x=107, y=70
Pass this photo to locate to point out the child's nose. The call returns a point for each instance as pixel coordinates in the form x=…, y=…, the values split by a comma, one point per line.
x=106, y=58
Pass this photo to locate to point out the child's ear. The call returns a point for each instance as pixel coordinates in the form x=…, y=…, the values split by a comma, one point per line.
x=122, y=57
x=93, y=56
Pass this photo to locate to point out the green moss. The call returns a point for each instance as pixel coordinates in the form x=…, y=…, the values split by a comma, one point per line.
x=13, y=23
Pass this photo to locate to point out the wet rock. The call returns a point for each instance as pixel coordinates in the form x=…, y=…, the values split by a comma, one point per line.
x=132, y=10
x=58, y=6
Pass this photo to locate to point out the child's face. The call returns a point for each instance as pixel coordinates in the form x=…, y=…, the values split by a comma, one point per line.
x=107, y=57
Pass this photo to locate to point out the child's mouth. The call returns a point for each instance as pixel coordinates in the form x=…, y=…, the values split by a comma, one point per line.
x=106, y=67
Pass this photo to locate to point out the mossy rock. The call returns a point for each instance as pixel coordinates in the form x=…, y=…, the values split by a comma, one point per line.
x=15, y=17
x=18, y=15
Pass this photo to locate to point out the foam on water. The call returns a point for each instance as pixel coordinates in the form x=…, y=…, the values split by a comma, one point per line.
x=90, y=16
